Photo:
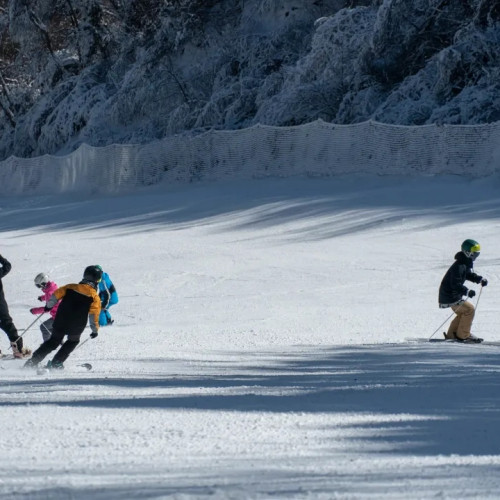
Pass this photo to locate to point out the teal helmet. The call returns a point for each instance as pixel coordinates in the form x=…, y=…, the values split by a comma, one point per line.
x=471, y=248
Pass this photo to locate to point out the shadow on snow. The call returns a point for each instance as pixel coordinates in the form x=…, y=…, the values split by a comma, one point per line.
x=330, y=207
x=423, y=400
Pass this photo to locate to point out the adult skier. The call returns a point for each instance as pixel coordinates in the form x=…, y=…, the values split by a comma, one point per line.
x=452, y=290
x=108, y=296
x=79, y=303
x=6, y=323
x=48, y=287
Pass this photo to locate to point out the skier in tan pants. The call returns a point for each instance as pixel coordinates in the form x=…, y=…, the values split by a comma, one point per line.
x=452, y=290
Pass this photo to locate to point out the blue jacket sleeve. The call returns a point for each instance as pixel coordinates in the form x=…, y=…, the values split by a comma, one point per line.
x=107, y=292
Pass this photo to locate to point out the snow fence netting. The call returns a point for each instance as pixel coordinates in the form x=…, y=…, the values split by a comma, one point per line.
x=314, y=149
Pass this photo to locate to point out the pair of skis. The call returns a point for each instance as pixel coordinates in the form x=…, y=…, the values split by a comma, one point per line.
x=44, y=370
x=453, y=341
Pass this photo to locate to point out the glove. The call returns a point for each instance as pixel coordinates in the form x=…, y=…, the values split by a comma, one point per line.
x=41, y=298
x=36, y=310
x=47, y=309
x=484, y=282
x=471, y=293
x=93, y=335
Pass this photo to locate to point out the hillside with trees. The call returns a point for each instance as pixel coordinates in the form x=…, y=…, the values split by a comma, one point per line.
x=133, y=71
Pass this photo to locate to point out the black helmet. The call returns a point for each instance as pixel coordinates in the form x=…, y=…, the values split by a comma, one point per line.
x=92, y=273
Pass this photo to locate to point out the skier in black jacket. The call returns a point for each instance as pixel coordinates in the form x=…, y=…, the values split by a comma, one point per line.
x=6, y=323
x=452, y=290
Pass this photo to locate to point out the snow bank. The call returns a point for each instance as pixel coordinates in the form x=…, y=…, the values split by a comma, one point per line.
x=317, y=149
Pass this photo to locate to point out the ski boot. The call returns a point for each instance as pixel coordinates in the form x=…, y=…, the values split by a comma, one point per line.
x=30, y=364
x=18, y=350
x=55, y=365
x=472, y=339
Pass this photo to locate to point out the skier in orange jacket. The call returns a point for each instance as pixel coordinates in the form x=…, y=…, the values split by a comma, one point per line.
x=79, y=303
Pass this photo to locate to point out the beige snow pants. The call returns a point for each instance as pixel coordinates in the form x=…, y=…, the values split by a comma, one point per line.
x=462, y=322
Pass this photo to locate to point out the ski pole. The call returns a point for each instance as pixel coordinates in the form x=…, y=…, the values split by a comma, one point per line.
x=446, y=320
x=81, y=343
x=34, y=321
x=480, y=292
x=478, y=297
x=88, y=366
x=26, y=329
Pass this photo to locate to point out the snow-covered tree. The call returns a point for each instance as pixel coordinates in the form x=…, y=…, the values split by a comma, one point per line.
x=103, y=71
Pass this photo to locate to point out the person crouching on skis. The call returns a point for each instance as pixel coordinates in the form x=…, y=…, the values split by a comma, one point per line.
x=452, y=290
x=79, y=302
x=48, y=288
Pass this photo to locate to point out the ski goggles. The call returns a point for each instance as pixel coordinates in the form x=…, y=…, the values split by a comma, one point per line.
x=475, y=251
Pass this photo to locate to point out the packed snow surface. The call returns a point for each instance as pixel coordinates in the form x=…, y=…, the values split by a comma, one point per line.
x=260, y=347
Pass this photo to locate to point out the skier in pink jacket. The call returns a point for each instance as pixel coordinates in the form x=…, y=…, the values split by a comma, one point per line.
x=48, y=288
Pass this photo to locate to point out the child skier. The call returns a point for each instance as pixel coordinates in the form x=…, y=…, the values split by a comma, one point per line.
x=6, y=323
x=48, y=288
x=452, y=289
x=108, y=296
x=79, y=302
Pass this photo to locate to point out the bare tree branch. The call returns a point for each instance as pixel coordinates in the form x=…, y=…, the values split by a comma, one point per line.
x=5, y=89
x=45, y=34
x=8, y=114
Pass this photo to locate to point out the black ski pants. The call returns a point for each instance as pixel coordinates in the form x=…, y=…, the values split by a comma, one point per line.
x=53, y=343
x=6, y=323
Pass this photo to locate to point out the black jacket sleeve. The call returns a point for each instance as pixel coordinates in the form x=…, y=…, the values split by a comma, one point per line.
x=472, y=276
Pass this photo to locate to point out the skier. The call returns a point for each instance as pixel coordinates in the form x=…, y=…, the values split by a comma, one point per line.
x=48, y=288
x=452, y=289
x=6, y=323
x=108, y=296
x=78, y=302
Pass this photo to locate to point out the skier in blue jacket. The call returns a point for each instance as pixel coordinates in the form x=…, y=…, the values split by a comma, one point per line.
x=109, y=296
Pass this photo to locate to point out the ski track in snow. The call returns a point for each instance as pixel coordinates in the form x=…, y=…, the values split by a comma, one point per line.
x=260, y=346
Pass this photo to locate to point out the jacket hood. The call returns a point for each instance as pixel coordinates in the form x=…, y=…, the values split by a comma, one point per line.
x=463, y=259
x=93, y=284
